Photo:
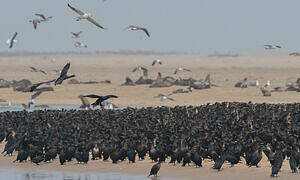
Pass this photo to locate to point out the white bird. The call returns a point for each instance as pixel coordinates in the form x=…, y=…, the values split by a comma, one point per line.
x=162, y=97
x=12, y=40
x=181, y=69
x=156, y=61
x=80, y=45
x=267, y=84
x=272, y=46
x=83, y=15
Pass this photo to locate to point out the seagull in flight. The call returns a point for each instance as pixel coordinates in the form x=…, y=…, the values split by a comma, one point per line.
x=138, y=28
x=140, y=68
x=33, y=69
x=181, y=69
x=80, y=45
x=272, y=46
x=12, y=40
x=44, y=19
x=77, y=35
x=86, y=16
x=156, y=61
x=100, y=99
x=162, y=97
x=63, y=75
x=35, y=22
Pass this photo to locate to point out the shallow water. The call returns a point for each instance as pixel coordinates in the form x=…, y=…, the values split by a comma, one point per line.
x=18, y=174
x=51, y=107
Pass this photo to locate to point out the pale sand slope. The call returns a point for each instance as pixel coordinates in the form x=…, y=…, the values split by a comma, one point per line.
x=239, y=172
x=225, y=72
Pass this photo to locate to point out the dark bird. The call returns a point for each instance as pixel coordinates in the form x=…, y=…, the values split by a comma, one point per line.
x=33, y=69
x=100, y=99
x=12, y=40
x=35, y=95
x=77, y=35
x=86, y=16
x=155, y=168
x=43, y=17
x=138, y=28
x=36, y=85
x=63, y=75
x=35, y=22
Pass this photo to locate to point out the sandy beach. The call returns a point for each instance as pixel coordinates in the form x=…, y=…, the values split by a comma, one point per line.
x=240, y=171
x=225, y=72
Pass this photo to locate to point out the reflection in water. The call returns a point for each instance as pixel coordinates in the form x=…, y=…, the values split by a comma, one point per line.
x=17, y=174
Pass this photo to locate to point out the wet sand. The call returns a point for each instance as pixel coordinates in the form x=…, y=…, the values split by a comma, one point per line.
x=240, y=171
x=225, y=72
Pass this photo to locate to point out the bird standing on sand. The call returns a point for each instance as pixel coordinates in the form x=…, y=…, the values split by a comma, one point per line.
x=162, y=97
x=138, y=28
x=12, y=40
x=267, y=84
x=86, y=16
x=44, y=19
x=77, y=35
x=181, y=69
x=272, y=46
x=156, y=61
x=155, y=168
x=100, y=99
x=63, y=75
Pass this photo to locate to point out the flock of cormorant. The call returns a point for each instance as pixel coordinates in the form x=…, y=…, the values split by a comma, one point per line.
x=221, y=132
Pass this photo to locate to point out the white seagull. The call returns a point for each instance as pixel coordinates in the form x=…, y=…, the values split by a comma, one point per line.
x=12, y=40
x=156, y=61
x=272, y=46
x=162, y=97
x=86, y=16
x=181, y=69
x=80, y=45
x=267, y=84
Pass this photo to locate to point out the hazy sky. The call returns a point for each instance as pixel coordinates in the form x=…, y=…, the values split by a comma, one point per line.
x=196, y=26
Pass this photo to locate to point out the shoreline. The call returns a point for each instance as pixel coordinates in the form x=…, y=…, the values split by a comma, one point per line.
x=142, y=168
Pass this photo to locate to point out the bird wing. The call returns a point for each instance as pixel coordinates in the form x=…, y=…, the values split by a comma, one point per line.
x=84, y=101
x=187, y=70
x=36, y=94
x=65, y=69
x=76, y=10
x=176, y=70
x=12, y=40
x=154, y=62
x=41, y=15
x=146, y=31
x=109, y=96
x=92, y=96
x=43, y=72
x=33, y=68
x=170, y=99
x=134, y=69
x=95, y=22
x=277, y=46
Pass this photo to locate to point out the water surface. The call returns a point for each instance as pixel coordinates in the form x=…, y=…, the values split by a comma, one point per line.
x=19, y=174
